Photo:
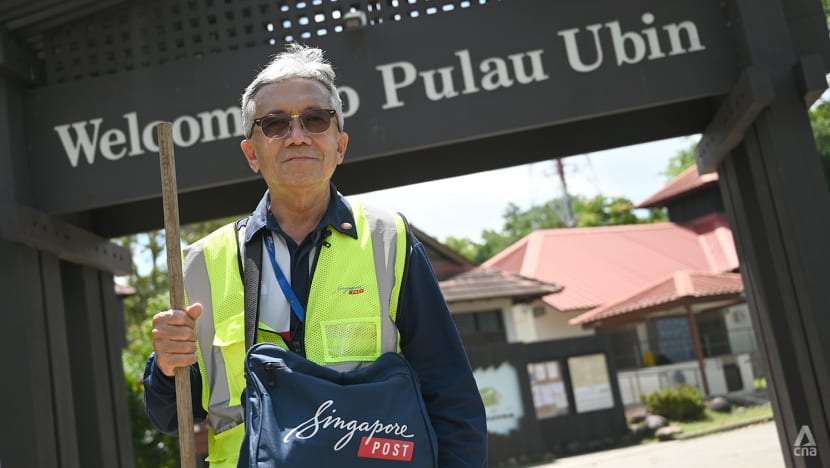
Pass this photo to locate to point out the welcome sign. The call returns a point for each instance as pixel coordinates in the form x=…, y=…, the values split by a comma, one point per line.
x=418, y=84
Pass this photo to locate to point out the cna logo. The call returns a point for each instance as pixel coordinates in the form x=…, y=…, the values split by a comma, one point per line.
x=350, y=290
x=805, y=443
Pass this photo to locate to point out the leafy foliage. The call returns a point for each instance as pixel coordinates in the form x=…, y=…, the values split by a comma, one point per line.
x=604, y=211
x=820, y=121
x=684, y=403
x=679, y=163
x=151, y=447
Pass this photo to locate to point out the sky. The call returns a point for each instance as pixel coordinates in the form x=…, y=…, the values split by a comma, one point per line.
x=464, y=206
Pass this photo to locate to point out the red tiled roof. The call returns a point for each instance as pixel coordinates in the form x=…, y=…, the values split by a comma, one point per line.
x=716, y=241
x=493, y=283
x=688, y=180
x=599, y=264
x=676, y=287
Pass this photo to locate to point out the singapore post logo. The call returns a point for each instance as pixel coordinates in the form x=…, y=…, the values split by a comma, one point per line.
x=371, y=446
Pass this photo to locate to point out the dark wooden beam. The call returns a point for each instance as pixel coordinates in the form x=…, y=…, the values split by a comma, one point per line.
x=778, y=203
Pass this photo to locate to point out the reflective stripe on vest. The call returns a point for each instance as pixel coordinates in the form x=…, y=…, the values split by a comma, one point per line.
x=212, y=278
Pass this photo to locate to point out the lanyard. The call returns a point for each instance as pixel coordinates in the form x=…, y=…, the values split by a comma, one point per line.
x=295, y=304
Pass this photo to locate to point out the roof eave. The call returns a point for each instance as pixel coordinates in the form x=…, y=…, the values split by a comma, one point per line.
x=637, y=315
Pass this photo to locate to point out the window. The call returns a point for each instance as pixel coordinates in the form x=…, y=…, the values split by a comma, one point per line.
x=489, y=321
x=465, y=323
x=714, y=338
x=675, y=340
x=479, y=322
x=626, y=346
x=480, y=327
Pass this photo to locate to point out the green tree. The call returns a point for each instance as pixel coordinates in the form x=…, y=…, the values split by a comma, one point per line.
x=464, y=246
x=518, y=223
x=820, y=121
x=600, y=210
x=679, y=163
x=151, y=447
x=604, y=211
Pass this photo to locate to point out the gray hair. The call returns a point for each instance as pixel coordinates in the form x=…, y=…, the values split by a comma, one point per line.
x=297, y=61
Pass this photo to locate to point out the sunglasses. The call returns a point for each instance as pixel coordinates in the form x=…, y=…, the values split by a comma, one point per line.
x=279, y=125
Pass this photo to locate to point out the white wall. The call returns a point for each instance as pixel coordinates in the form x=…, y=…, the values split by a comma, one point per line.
x=651, y=379
x=739, y=328
x=553, y=324
x=522, y=325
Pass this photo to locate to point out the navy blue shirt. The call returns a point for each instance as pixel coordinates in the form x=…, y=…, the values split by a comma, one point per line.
x=335, y=216
x=429, y=341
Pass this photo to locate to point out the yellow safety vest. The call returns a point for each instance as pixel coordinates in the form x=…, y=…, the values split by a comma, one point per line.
x=350, y=317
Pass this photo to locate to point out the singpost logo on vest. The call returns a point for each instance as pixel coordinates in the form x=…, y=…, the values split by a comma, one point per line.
x=370, y=446
x=350, y=290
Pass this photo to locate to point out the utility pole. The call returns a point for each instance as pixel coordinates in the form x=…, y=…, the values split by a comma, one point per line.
x=570, y=221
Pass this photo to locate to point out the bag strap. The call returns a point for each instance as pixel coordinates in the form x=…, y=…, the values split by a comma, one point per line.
x=405, y=275
x=251, y=273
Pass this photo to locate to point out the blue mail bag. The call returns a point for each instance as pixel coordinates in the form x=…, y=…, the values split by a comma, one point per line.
x=301, y=414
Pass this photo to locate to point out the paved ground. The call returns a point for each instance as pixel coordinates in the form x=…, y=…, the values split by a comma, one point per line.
x=749, y=447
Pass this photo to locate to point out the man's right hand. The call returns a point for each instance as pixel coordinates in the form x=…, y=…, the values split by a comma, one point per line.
x=174, y=338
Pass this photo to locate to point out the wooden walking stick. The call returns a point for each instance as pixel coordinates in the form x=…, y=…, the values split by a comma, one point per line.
x=184, y=405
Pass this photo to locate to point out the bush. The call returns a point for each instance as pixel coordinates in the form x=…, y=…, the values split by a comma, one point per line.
x=684, y=403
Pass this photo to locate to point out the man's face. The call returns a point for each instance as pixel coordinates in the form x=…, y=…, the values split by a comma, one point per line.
x=300, y=159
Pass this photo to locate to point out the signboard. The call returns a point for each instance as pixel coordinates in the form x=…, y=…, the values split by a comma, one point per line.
x=550, y=397
x=591, y=385
x=502, y=397
x=441, y=80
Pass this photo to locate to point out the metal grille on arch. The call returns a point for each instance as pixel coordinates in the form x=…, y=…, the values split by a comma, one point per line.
x=136, y=35
x=433, y=89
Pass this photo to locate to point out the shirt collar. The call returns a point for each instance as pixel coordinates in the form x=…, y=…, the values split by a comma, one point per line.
x=338, y=216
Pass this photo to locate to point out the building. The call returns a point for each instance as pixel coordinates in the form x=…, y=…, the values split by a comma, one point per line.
x=667, y=295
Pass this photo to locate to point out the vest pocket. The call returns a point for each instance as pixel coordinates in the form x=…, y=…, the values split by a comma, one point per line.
x=224, y=451
x=351, y=339
x=230, y=340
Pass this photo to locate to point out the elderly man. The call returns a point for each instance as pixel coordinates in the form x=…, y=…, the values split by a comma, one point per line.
x=292, y=115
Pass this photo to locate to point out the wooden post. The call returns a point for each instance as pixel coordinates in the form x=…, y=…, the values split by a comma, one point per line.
x=184, y=406
x=696, y=345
